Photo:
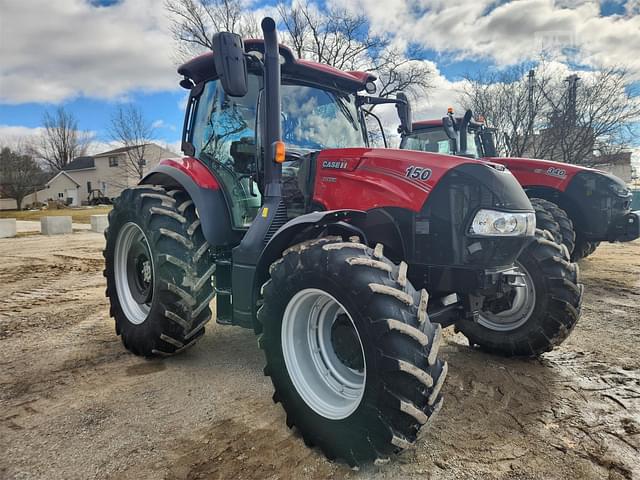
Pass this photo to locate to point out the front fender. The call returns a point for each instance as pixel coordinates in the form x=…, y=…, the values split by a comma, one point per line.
x=314, y=221
x=205, y=192
x=298, y=229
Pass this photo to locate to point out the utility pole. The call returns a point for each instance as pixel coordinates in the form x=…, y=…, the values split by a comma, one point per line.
x=572, y=92
x=531, y=87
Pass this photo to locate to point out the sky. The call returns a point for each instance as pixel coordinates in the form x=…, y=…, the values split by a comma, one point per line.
x=93, y=55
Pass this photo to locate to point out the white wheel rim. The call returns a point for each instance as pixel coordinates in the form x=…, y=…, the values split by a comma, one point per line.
x=129, y=235
x=326, y=384
x=522, y=307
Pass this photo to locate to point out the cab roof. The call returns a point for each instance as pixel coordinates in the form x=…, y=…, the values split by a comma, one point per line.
x=202, y=68
x=437, y=122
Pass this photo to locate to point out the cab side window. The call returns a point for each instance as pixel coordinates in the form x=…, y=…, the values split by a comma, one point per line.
x=224, y=139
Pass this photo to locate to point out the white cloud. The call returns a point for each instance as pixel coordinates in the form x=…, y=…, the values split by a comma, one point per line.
x=56, y=50
x=513, y=31
x=161, y=124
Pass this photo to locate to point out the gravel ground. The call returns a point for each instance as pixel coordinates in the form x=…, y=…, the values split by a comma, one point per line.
x=75, y=404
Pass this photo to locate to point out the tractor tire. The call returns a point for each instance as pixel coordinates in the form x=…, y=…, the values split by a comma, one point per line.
x=350, y=350
x=583, y=249
x=538, y=316
x=565, y=232
x=158, y=271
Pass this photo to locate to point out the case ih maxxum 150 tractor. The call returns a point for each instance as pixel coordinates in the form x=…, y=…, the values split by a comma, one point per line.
x=316, y=242
x=580, y=206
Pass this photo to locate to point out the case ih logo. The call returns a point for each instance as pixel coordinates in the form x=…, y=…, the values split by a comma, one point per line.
x=338, y=165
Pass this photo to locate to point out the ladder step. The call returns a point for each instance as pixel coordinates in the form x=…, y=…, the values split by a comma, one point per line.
x=223, y=320
x=222, y=261
x=223, y=291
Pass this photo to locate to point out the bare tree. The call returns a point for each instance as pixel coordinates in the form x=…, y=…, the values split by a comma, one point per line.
x=332, y=36
x=343, y=40
x=549, y=116
x=195, y=21
x=508, y=103
x=61, y=141
x=131, y=130
x=589, y=117
x=401, y=73
x=20, y=175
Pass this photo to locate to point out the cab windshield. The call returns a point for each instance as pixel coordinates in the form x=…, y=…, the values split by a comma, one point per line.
x=317, y=119
x=436, y=140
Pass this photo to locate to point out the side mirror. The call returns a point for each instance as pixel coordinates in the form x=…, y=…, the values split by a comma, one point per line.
x=230, y=63
x=488, y=143
x=404, y=112
x=449, y=127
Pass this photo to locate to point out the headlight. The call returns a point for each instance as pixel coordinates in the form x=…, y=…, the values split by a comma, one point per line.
x=619, y=190
x=503, y=224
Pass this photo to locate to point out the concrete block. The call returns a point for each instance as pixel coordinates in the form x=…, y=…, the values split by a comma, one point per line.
x=55, y=225
x=99, y=223
x=7, y=227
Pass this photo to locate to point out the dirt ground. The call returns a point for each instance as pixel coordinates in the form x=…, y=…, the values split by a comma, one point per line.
x=78, y=215
x=75, y=404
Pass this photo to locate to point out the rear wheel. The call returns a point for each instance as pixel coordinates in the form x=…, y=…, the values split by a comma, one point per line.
x=540, y=311
x=158, y=272
x=349, y=349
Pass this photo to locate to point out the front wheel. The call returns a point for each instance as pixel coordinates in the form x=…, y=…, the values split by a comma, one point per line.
x=551, y=217
x=539, y=312
x=349, y=349
x=583, y=249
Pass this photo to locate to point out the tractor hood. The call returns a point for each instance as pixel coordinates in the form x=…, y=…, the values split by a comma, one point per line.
x=537, y=172
x=381, y=177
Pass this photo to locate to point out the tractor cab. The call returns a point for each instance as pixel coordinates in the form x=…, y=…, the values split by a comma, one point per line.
x=320, y=109
x=464, y=136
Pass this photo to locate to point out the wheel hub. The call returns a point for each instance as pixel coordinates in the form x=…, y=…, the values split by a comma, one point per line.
x=133, y=271
x=323, y=353
x=513, y=309
x=346, y=343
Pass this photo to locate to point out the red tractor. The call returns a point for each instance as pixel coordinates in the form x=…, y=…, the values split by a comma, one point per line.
x=580, y=206
x=315, y=241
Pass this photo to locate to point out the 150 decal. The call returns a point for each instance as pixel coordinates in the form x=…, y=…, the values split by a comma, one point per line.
x=418, y=173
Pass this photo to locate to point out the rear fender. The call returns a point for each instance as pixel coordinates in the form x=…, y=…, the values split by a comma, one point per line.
x=205, y=192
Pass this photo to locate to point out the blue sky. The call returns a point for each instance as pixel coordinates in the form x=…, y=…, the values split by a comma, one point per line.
x=92, y=55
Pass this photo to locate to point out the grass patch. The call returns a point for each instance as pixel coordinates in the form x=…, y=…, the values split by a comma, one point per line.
x=78, y=215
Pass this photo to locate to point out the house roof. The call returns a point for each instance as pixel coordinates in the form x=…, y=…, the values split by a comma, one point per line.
x=80, y=163
x=61, y=172
x=116, y=151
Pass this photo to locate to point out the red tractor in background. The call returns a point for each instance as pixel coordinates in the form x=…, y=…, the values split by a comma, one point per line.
x=580, y=206
x=315, y=241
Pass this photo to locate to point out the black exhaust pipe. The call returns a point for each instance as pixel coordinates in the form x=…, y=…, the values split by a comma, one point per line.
x=272, y=130
x=247, y=254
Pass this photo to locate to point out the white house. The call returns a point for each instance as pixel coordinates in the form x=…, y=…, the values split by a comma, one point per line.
x=112, y=171
x=109, y=172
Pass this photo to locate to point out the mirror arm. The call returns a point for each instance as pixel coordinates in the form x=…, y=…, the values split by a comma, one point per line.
x=364, y=100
